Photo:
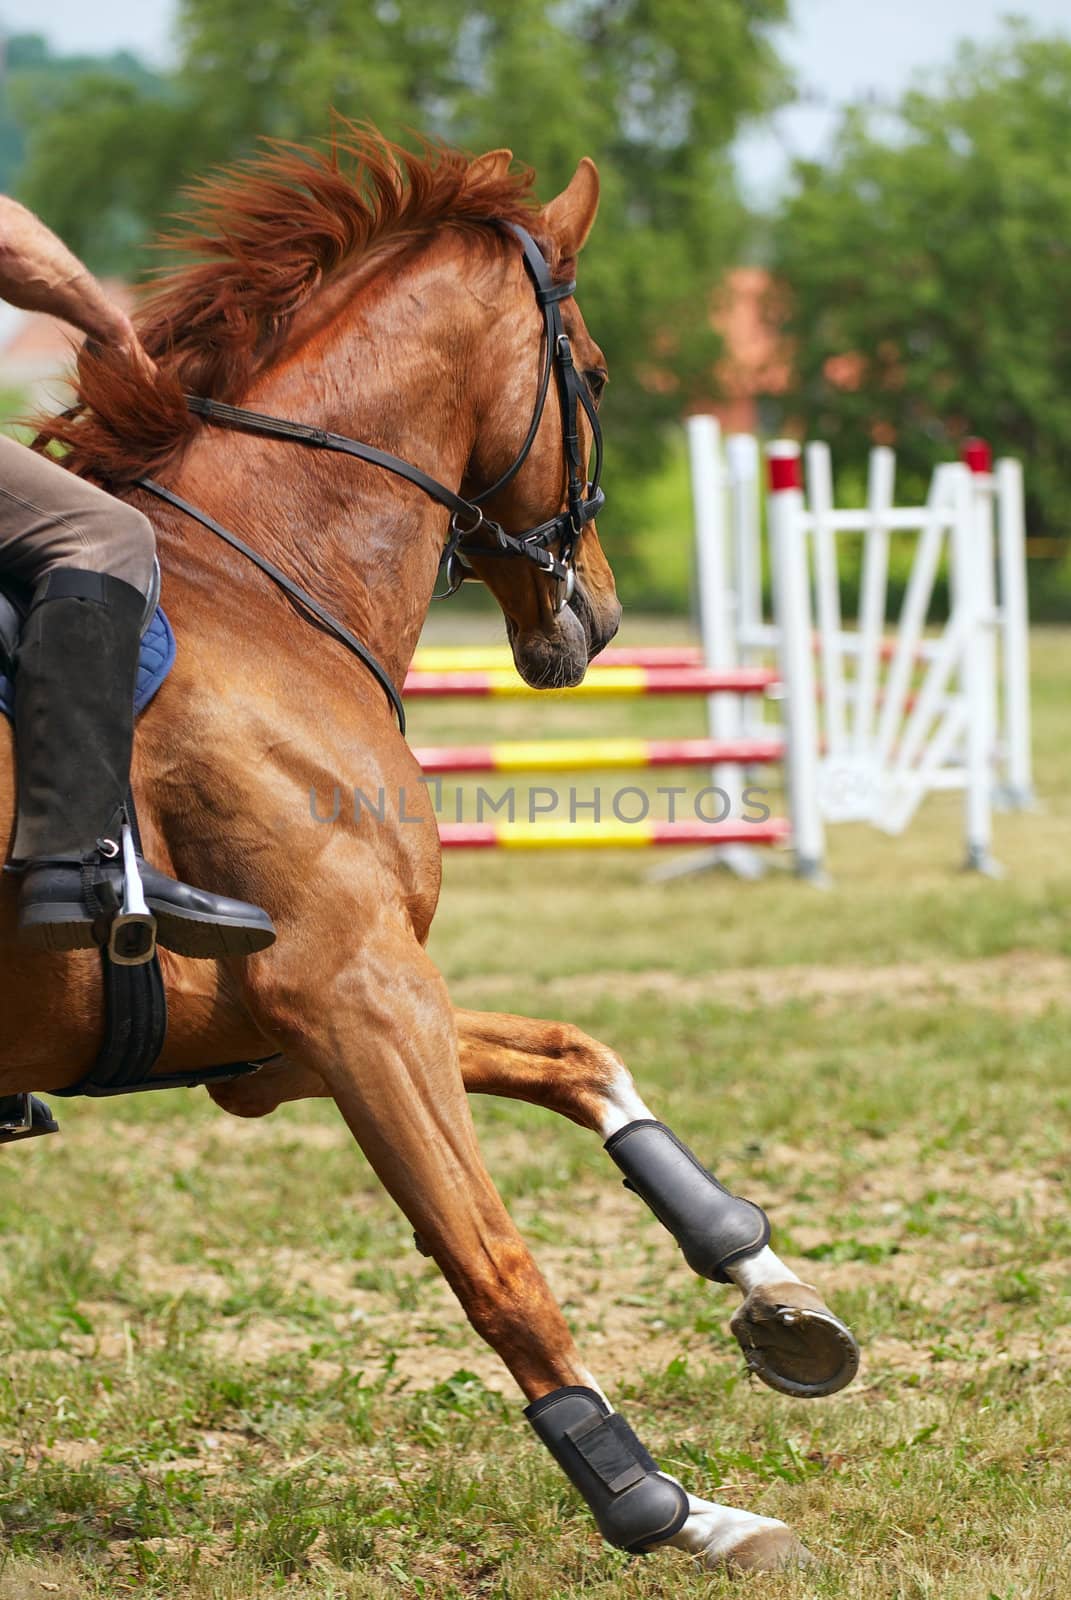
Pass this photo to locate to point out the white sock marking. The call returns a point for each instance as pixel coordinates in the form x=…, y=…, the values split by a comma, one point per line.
x=763, y=1267
x=623, y=1105
x=592, y=1383
x=712, y=1532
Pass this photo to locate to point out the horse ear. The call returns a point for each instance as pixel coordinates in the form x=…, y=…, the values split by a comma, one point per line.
x=569, y=216
x=495, y=164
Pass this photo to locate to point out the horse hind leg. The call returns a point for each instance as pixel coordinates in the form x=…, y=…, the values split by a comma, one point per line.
x=387, y=1049
x=789, y=1337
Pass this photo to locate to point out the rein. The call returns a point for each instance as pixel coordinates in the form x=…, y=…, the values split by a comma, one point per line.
x=288, y=586
x=585, y=499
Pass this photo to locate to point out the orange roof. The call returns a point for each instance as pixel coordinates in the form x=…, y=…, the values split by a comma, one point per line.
x=755, y=362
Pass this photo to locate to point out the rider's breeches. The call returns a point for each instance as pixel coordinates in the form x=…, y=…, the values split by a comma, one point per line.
x=49, y=518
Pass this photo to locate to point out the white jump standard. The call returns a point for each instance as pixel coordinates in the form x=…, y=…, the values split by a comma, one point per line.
x=905, y=701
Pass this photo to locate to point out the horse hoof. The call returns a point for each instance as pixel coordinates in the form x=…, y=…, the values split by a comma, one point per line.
x=769, y=1550
x=793, y=1342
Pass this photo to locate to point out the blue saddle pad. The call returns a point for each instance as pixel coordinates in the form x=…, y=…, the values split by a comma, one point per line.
x=157, y=659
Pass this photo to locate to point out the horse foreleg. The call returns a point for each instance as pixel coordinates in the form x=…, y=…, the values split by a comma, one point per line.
x=381, y=1035
x=790, y=1338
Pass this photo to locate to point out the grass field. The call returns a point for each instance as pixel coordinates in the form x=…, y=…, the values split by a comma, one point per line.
x=231, y=1375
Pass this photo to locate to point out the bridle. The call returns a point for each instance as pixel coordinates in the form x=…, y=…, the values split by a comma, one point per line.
x=471, y=531
x=585, y=499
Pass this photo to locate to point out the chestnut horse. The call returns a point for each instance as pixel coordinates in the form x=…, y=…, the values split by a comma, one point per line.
x=386, y=301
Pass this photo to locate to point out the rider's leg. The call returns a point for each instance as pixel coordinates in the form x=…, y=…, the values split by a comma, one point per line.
x=49, y=519
x=74, y=715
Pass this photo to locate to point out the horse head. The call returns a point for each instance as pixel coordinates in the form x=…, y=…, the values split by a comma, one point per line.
x=422, y=306
x=554, y=630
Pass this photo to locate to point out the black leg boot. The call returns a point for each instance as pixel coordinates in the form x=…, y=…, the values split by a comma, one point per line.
x=74, y=728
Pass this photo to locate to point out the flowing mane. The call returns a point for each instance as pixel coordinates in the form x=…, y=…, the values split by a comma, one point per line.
x=264, y=235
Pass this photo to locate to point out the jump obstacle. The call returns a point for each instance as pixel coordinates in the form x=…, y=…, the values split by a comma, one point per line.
x=671, y=670
x=867, y=717
x=912, y=697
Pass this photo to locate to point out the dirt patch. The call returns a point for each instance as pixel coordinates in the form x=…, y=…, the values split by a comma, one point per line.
x=41, y=1580
x=396, y=1313
x=1017, y=984
x=73, y=1452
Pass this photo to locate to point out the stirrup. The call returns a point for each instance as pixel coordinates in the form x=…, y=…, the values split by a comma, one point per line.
x=24, y=1116
x=132, y=934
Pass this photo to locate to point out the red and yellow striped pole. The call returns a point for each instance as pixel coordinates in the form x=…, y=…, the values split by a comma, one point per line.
x=600, y=683
x=610, y=836
x=596, y=755
x=486, y=658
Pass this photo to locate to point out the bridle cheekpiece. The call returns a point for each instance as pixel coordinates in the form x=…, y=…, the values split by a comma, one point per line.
x=585, y=499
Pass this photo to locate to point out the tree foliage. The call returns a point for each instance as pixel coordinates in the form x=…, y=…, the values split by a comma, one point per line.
x=655, y=92
x=34, y=78
x=927, y=266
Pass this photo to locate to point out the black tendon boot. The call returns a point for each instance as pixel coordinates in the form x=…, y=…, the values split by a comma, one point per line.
x=74, y=729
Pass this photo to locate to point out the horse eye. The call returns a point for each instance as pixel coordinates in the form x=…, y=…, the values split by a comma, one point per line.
x=595, y=378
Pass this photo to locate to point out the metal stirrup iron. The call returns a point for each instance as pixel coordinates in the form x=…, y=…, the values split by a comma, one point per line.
x=132, y=935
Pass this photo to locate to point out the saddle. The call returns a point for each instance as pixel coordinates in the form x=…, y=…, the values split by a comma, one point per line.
x=135, y=999
x=157, y=644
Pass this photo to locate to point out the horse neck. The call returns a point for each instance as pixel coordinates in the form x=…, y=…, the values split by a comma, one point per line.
x=363, y=542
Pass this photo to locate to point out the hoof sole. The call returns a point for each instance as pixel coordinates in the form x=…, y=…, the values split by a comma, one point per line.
x=793, y=1342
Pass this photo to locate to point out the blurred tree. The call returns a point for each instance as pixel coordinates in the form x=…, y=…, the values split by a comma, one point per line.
x=927, y=269
x=33, y=77
x=655, y=92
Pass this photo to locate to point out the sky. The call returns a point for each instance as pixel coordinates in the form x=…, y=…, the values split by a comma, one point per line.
x=840, y=50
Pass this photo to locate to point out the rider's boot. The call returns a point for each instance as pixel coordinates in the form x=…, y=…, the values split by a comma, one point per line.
x=74, y=728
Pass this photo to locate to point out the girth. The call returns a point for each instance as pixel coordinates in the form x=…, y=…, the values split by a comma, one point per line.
x=135, y=1027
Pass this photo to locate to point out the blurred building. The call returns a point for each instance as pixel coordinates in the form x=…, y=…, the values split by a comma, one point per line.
x=755, y=361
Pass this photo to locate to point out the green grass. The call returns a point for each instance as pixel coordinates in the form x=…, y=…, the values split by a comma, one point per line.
x=230, y=1374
